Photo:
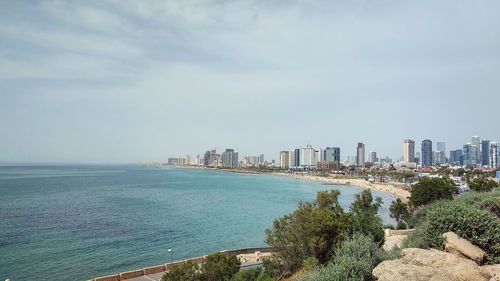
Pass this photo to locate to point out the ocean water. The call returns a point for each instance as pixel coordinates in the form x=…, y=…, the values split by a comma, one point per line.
x=75, y=222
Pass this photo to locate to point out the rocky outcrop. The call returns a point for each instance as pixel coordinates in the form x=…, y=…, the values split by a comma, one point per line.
x=429, y=265
x=459, y=246
x=493, y=271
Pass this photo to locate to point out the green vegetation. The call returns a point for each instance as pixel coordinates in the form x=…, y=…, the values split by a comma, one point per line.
x=399, y=211
x=216, y=267
x=313, y=230
x=257, y=274
x=363, y=216
x=482, y=184
x=355, y=260
x=468, y=217
x=186, y=272
x=428, y=190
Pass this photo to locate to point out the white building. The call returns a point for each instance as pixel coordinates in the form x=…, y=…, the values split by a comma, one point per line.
x=494, y=161
x=308, y=157
x=284, y=160
x=409, y=151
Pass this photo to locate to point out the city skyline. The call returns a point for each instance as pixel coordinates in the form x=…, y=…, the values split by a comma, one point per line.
x=128, y=82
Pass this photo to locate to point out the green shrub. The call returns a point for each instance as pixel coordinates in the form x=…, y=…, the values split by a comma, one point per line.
x=355, y=260
x=363, y=216
x=185, y=272
x=255, y=274
x=219, y=267
x=489, y=201
x=480, y=227
x=428, y=190
x=482, y=184
x=313, y=230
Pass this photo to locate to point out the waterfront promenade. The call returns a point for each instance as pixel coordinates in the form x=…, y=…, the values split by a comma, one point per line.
x=249, y=257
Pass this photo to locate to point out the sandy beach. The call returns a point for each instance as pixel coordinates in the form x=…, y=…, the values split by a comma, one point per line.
x=397, y=190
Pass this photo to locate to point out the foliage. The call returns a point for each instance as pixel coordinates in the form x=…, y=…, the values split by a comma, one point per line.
x=363, y=216
x=480, y=227
x=482, y=184
x=489, y=201
x=255, y=274
x=427, y=190
x=310, y=263
x=355, y=260
x=313, y=230
x=399, y=211
x=219, y=267
x=188, y=271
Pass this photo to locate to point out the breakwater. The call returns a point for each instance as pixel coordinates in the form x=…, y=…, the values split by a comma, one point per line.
x=167, y=266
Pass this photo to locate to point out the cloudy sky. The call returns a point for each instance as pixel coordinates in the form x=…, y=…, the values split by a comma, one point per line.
x=136, y=81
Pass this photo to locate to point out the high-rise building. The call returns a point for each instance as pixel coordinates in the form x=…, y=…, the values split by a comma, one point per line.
x=360, y=155
x=494, y=161
x=332, y=154
x=294, y=157
x=261, y=159
x=485, y=152
x=372, y=157
x=476, y=141
x=470, y=154
x=426, y=153
x=456, y=157
x=308, y=157
x=441, y=146
x=229, y=158
x=438, y=157
x=284, y=160
x=319, y=155
x=409, y=151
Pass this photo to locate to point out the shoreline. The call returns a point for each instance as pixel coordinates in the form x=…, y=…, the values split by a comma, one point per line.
x=394, y=189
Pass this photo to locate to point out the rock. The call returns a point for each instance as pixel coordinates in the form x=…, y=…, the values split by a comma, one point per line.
x=462, y=247
x=493, y=271
x=429, y=265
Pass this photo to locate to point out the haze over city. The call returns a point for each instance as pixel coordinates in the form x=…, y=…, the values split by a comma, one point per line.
x=104, y=81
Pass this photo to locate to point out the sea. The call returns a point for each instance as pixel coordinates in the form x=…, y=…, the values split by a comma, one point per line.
x=76, y=222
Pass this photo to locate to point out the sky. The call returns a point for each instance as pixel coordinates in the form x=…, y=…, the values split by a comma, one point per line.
x=117, y=81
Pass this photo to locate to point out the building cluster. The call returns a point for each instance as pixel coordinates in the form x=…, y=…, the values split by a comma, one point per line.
x=308, y=158
x=475, y=153
x=483, y=153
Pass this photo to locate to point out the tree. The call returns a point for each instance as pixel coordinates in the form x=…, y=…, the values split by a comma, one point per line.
x=427, y=190
x=363, y=216
x=315, y=229
x=482, y=184
x=256, y=274
x=219, y=267
x=186, y=272
x=399, y=211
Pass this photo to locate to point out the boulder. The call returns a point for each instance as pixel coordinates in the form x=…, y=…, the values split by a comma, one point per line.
x=462, y=247
x=493, y=270
x=429, y=265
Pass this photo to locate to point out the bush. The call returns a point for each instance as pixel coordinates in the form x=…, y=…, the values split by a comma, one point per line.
x=256, y=274
x=489, y=201
x=186, y=272
x=363, y=216
x=428, y=190
x=355, y=260
x=219, y=267
x=399, y=211
x=480, y=227
x=315, y=229
x=482, y=184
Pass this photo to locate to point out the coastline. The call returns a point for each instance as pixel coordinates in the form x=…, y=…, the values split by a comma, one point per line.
x=394, y=189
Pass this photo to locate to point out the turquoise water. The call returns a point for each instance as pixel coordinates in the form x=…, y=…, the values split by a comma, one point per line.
x=78, y=222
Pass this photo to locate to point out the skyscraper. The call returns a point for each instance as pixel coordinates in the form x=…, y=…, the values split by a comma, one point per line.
x=476, y=141
x=426, y=153
x=494, y=161
x=308, y=157
x=409, y=151
x=284, y=160
x=372, y=157
x=456, y=157
x=332, y=154
x=441, y=146
x=294, y=158
x=485, y=152
x=229, y=158
x=360, y=155
x=470, y=153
